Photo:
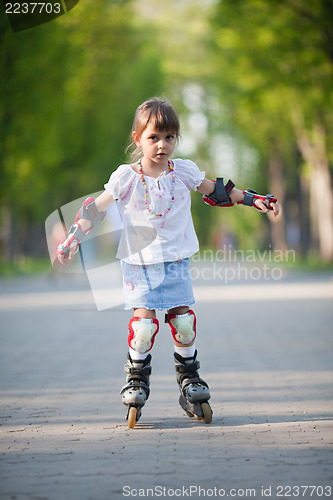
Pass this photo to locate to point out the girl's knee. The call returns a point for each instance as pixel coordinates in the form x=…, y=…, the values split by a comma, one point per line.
x=179, y=310
x=145, y=313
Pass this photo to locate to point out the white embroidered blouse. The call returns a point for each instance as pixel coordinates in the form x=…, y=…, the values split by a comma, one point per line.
x=147, y=238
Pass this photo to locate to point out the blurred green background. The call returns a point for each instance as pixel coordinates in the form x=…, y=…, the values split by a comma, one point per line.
x=251, y=80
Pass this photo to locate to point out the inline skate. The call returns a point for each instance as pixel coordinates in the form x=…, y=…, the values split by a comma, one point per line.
x=136, y=391
x=194, y=392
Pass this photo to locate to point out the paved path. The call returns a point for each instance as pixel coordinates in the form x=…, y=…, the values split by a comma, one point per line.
x=268, y=363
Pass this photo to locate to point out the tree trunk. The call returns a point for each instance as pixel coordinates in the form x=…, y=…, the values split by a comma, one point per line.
x=8, y=232
x=313, y=151
x=303, y=197
x=277, y=187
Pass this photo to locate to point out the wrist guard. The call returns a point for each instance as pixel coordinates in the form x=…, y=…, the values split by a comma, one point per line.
x=250, y=196
x=220, y=196
x=90, y=211
x=75, y=234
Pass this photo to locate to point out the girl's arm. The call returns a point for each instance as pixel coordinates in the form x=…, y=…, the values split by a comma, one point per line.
x=102, y=202
x=207, y=187
x=236, y=195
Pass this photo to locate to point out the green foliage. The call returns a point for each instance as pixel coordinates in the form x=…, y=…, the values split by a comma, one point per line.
x=67, y=104
x=69, y=88
x=275, y=61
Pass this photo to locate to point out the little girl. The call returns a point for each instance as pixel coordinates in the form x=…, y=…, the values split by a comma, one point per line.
x=154, y=200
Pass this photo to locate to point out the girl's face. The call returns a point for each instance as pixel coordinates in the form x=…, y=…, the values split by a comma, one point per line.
x=156, y=146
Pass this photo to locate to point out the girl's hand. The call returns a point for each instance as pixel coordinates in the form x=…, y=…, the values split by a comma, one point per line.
x=260, y=204
x=72, y=251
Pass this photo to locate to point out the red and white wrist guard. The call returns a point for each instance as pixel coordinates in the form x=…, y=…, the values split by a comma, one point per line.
x=76, y=235
x=250, y=196
x=89, y=211
x=220, y=196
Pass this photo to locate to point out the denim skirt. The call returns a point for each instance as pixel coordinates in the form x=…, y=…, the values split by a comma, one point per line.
x=157, y=286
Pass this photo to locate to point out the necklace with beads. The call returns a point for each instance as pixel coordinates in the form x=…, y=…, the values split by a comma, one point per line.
x=146, y=190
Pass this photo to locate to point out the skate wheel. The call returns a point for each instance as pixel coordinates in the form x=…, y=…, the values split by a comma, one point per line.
x=190, y=414
x=132, y=417
x=207, y=411
x=198, y=417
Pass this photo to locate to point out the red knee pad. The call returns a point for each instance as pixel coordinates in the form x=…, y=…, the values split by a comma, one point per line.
x=142, y=333
x=183, y=327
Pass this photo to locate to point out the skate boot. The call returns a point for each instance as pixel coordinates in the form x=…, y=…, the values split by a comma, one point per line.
x=194, y=392
x=136, y=391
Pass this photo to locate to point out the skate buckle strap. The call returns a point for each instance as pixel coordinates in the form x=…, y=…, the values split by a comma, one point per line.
x=140, y=384
x=195, y=381
x=192, y=368
x=131, y=370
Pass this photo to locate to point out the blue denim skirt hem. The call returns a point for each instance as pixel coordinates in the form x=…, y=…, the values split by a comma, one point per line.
x=157, y=286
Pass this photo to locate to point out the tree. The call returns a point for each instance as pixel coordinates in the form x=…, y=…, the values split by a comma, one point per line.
x=66, y=108
x=275, y=73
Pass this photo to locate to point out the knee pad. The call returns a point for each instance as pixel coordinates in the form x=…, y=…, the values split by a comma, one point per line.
x=183, y=327
x=142, y=333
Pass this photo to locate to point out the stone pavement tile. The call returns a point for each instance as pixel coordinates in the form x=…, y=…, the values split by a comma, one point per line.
x=75, y=443
x=62, y=428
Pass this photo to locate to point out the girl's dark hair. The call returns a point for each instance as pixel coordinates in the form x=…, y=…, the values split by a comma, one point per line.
x=157, y=111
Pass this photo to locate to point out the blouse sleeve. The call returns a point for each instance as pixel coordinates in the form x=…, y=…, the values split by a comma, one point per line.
x=190, y=174
x=120, y=181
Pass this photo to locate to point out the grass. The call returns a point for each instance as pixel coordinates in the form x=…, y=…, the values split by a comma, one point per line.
x=24, y=266
x=309, y=264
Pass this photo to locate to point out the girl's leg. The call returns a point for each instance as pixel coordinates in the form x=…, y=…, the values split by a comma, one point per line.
x=145, y=313
x=194, y=391
x=143, y=328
